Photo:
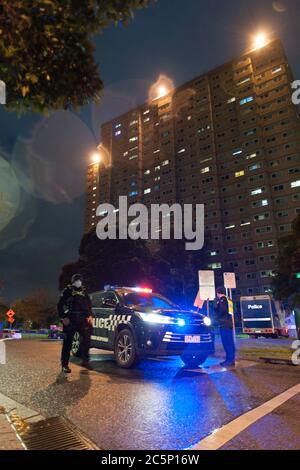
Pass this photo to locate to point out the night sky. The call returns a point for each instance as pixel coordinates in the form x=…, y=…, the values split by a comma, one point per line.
x=179, y=38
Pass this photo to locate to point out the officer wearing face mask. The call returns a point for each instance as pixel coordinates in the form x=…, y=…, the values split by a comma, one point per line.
x=74, y=309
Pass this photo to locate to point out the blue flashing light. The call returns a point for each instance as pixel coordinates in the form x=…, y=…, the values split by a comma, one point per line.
x=181, y=322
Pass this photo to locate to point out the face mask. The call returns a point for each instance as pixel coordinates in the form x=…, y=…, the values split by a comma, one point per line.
x=77, y=284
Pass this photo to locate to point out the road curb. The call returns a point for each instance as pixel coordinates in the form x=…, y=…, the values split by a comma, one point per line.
x=14, y=417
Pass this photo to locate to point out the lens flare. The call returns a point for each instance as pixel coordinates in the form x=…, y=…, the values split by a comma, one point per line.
x=9, y=193
x=52, y=164
x=161, y=88
x=279, y=7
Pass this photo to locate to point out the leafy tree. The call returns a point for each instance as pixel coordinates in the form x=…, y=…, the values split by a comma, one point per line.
x=116, y=262
x=286, y=286
x=46, y=50
x=3, y=309
x=170, y=269
x=37, y=309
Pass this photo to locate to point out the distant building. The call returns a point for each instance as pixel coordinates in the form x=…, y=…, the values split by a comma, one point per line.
x=229, y=139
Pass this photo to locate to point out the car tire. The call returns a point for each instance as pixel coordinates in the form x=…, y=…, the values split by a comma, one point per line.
x=125, y=349
x=76, y=345
x=194, y=360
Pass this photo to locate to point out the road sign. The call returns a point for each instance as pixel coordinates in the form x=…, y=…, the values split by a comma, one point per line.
x=198, y=301
x=229, y=280
x=207, y=285
x=10, y=320
x=10, y=313
x=206, y=278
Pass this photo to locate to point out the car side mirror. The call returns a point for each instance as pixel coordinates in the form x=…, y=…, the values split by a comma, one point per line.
x=110, y=303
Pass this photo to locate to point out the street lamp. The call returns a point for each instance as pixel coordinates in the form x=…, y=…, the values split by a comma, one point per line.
x=161, y=91
x=260, y=40
x=161, y=88
x=95, y=158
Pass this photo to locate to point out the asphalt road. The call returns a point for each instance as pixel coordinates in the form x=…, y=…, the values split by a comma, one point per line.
x=158, y=405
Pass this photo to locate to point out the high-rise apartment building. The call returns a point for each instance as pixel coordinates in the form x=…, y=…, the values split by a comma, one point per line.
x=229, y=139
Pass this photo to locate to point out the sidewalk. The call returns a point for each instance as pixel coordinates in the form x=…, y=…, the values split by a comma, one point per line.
x=8, y=436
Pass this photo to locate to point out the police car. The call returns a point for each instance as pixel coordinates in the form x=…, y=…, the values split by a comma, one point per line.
x=137, y=323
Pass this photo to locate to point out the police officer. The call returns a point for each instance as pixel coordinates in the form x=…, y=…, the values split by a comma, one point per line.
x=225, y=321
x=74, y=309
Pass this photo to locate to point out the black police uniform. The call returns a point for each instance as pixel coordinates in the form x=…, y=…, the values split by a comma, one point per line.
x=225, y=322
x=75, y=304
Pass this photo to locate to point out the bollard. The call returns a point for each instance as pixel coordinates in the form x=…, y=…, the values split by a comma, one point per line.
x=2, y=352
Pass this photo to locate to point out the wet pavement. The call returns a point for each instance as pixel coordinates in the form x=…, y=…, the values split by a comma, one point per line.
x=158, y=405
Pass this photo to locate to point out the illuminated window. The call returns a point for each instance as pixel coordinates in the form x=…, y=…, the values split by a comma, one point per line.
x=252, y=155
x=118, y=133
x=257, y=191
x=181, y=151
x=133, y=193
x=229, y=226
x=147, y=172
x=246, y=100
x=205, y=170
x=147, y=191
x=295, y=184
x=166, y=162
x=254, y=167
x=133, y=139
x=214, y=253
x=156, y=151
x=231, y=100
x=276, y=70
x=125, y=154
x=147, y=119
x=242, y=82
x=157, y=168
x=117, y=126
x=133, y=123
x=215, y=266
x=237, y=152
x=146, y=112
x=268, y=273
x=238, y=174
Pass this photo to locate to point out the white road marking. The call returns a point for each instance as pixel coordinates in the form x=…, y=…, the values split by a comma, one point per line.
x=216, y=368
x=221, y=436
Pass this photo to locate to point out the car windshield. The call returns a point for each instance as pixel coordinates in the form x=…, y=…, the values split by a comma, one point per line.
x=147, y=300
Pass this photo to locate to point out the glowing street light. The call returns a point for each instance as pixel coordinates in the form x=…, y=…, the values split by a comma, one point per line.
x=162, y=91
x=95, y=158
x=161, y=88
x=260, y=41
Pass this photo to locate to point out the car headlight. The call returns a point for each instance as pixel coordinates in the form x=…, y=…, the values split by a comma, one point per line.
x=156, y=318
x=207, y=321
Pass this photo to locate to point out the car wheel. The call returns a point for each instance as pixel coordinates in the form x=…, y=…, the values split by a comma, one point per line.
x=76, y=345
x=125, y=349
x=193, y=360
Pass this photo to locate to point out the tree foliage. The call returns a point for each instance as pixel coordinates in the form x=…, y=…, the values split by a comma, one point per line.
x=3, y=309
x=37, y=309
x=171, y=270
x=285, y=284
x=46, y=50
